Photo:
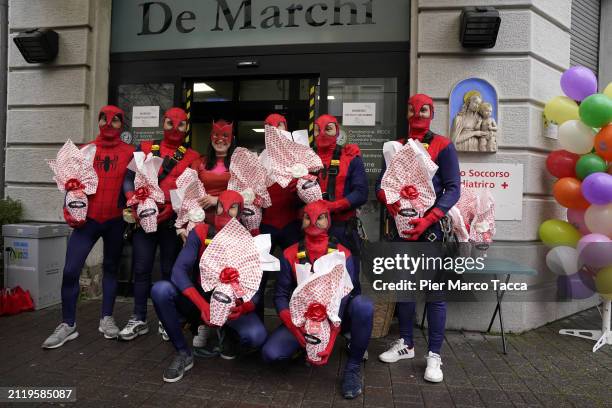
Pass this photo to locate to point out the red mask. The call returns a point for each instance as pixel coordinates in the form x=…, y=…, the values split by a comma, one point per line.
x=107, y=131
x=323, y=140
x=315, y=210
x=227, y=200
x=222, y=132
x=174, y=136
x=418, y=126
x=275, y=120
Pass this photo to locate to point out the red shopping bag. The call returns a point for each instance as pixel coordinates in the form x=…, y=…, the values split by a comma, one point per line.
x=10, y=303
x=1, y=302
x=23, y=299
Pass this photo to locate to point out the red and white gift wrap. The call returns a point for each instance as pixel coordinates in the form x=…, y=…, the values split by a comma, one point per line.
x=76, y=176
x=232, y=267
x=477, y=207
x=286, y=160
x=408, y=179
x=315, y=303
x=147, y=192
x=248, y=177
x=189, y=190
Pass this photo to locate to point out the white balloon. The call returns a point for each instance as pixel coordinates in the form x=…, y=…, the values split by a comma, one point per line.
x=562, y=260
x=576, y=137
x=598, y=218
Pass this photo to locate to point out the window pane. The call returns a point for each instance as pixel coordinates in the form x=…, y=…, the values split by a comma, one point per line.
x=264, y=90
x=213, y=91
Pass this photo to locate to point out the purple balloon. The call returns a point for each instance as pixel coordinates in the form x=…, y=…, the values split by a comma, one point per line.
x=578, y=82
x=597, y=188
x=595, y=250
x=577, y=286
x=576, y=218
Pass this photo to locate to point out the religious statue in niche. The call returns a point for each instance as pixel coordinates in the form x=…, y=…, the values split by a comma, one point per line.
x=473, y=106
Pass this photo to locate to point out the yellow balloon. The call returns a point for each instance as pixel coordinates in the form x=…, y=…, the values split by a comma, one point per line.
x=608, y=90
x=556, y=233
x=560, y=109
x=603, y=282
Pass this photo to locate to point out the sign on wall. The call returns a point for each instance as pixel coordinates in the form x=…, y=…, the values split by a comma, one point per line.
x=140, y=25
x=145, y=116
x=505, y=181
x=358, y=114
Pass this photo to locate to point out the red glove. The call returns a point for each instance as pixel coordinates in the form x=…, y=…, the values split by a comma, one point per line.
x=71, y=221
x=292, y=186
x=394, y=208
x=241, y=309
x=337, y=206
x=328, y=350
x=285, y=316
x=192, y=294
x=255, y=232
x=421, y=224
x=165, y=213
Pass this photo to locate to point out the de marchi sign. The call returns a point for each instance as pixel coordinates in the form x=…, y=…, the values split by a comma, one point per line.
x=245, y=16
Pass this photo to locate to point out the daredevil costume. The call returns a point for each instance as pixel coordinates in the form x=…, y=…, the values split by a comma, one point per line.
x=447, y=183
x=183, y=296
x=104, y=220
x=356, y=311
x=176, y=158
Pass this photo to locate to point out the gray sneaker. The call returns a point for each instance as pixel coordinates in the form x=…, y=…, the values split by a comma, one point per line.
x=61, y=335
x=108, y=327
x=200, y=340
x=133, y=329
x=178, y=366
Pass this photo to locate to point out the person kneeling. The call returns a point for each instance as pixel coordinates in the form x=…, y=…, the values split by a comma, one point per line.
x=189, y=296
x=305, y=296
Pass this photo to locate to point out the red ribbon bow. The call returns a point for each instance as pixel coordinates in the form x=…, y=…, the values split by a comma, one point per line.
x=230, y=276
x=410, y=192
x=73, y=185
x=316, y=312
x=142, y=193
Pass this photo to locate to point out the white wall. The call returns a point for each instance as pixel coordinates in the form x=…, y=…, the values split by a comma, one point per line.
x=525, y=67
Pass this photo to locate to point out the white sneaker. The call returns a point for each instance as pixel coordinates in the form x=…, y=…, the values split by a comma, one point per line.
x=398, y=351
x=162, y=331
x=133, y=329
x=61, y=335
x=201, y=339
x=108, y=327
x=433, y=372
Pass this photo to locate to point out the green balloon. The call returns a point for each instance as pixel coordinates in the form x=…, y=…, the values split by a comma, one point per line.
x=596, y=110
x=589, y=164
x=559, y=233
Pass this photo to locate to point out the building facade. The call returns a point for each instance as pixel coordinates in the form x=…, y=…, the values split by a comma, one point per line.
x=261, y=56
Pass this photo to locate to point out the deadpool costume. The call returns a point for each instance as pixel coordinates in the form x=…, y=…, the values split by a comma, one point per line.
x=182, y=298
x=176, y=158
x=214, y=171
x=343, y=182
x=356, y=311
x=447, y=186
x=104, y=220
x=280, y=220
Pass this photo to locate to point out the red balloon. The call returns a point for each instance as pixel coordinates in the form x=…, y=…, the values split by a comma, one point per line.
x=562, y=163
x=567, y=191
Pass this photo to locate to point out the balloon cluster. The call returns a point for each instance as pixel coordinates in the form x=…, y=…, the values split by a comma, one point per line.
x=581, y=247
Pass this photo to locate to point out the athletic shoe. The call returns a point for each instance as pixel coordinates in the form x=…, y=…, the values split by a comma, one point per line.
x=398, y=351
x=133, y=329
x=108, y=327
x=433, y=372
x=200, y=340
x=61, y=335
x=228, y=345
x=162, y=331
x=175, y=371
x=351, y=383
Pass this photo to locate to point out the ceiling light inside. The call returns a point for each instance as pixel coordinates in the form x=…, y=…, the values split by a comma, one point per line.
x=202, y=87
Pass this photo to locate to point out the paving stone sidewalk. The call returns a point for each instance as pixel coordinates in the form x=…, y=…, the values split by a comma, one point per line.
x=541, y=368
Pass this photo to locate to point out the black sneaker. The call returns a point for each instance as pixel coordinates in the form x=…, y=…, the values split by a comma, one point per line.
x=178, y=366
x=228, y=344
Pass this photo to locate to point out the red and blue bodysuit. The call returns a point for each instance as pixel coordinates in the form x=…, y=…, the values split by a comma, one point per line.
x=104, y=216
x=183, y=296
x=356, y=311
x=280, y=220
x=447, y=185
x=176, y=159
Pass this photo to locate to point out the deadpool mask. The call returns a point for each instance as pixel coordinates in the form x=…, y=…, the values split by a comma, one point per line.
x=276, y=120
x=110, y=122
x=175, y=125
x=316, y=219
x=229, y=205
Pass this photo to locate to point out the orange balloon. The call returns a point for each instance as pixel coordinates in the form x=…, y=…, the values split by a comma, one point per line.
x=603, y=143
x=567, y=192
